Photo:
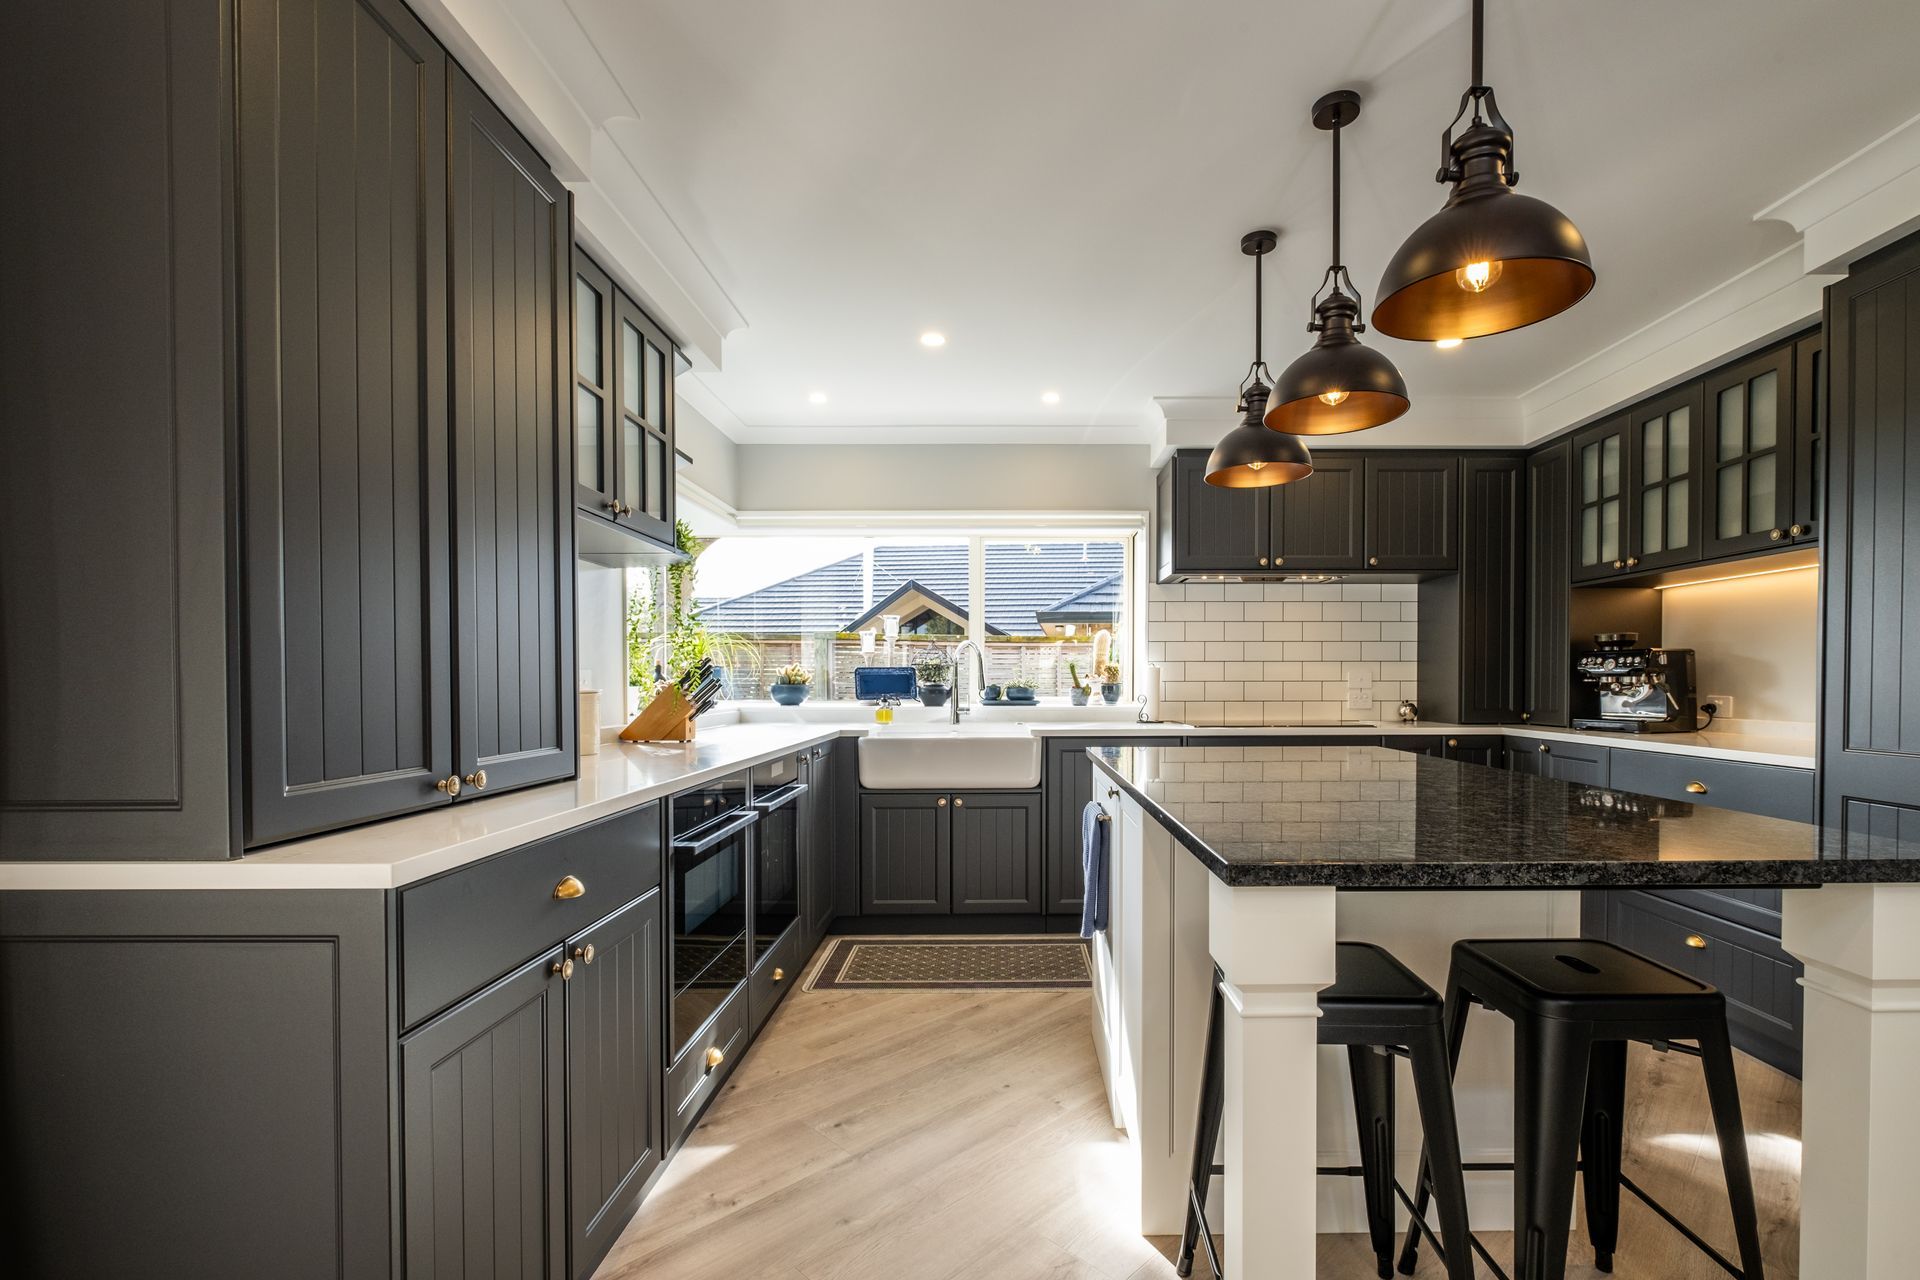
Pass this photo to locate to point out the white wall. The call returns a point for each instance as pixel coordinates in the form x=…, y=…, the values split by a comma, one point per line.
x=716, y=459
x=1277, y=653
x=1754, y=639
x=939, y=477
x=601, y=635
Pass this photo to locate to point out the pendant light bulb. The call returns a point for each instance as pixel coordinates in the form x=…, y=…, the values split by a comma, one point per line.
x=1250, y=456
x=1492, y=259
x=1341, y=384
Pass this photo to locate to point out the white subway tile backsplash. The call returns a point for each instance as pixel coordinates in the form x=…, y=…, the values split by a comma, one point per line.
x=1272, y=653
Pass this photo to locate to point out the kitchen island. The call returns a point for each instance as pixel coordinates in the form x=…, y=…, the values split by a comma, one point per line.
x=1257, y=859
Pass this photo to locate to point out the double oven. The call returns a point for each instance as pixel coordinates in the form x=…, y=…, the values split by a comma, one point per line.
x=733, y=889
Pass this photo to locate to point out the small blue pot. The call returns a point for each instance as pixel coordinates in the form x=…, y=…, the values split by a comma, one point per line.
x=790, y=695
x=1019, y=695
x=991, y=693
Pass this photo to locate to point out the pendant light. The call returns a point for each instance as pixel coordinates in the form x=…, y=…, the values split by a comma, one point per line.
x=1491, y=260
x=1339, y=385
x=1250, y=456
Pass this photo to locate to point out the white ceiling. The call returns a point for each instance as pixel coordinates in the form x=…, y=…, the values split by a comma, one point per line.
x=1061, y=185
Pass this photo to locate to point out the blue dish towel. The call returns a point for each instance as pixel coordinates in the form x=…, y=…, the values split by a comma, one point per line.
x=1095, y=831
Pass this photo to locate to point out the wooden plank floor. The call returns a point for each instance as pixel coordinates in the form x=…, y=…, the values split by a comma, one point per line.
x=925, y=1135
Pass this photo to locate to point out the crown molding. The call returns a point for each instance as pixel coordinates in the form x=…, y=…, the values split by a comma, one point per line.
x=1863, y=203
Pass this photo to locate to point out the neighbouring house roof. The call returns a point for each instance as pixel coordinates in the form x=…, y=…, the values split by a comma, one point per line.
x=1097, y=603
x=909, y=602
x=1021, y=585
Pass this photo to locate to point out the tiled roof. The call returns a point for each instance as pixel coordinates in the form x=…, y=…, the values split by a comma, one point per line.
x=1023, y=580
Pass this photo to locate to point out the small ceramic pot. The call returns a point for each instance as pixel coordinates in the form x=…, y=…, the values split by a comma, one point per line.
x=1111, y=692
x=790, y=695
x=990, y=694
x=935, y=695
x=1019, y=695
x=1078, y=696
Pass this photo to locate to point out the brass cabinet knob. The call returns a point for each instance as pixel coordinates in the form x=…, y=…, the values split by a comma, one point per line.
x=569, y=887
x=958, y=802
x=1632, y=561
x=1374, y=561
x=1697, y=788
x=1776, y=534
x=1278, y=561
x=477, y=779
x=613, y=505
x=1544, y=748
x=1796, y=529
x=1263, y=559
x=450, y=785
x=584, y=954
x=1526, y=715
x=715, y=1056
x=1619, y=564
x=941, y=802
x=1453, y=742
x=779, y=974
x=1697, y=942
x=565, y=969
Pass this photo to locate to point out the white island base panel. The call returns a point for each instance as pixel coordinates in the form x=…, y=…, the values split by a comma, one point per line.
x=1288, y=1109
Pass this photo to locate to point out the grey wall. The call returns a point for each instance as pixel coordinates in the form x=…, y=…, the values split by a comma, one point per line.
x=932, y=477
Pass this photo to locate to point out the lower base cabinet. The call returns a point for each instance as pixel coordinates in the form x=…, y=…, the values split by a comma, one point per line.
x=1581, y=762
x=484, y=1133
x=1069, y=786
x=943, y=853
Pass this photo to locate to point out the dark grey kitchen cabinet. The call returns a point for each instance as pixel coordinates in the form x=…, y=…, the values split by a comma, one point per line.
x=1069, y=785
x=343, y=297
x=114, y=503
x=622, y=408
x=1662, y=514
x=1489, y=750
x=1318, y=525
x=616, y=1134
x=1412, y=510
x=1581, y=762
x=484, y=1138
x=1774, y=791
x=906, y=853
x=1750, y=453
x=1548, y=695
x=1204, y=530
x=1472, y=662
x=996, y=849
x=1600, y=519
x=1809, y=436
x=512, y=232
x=819, y=837
x=1869, y=768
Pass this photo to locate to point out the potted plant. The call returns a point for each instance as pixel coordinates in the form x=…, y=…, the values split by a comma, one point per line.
x=1110, y=682
x=1080, y=689
x=934, y=677
x=791, y=685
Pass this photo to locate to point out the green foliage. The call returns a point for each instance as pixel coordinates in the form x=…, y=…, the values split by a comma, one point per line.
x=688, y=640
x=1073, y=674
x=933, y=669
x=794, y=674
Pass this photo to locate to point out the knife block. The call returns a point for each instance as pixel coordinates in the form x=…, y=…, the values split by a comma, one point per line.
x=668, y=718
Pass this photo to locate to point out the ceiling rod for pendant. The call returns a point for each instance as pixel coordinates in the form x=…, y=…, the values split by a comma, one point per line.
x=1336, y=196
x=1479, y=43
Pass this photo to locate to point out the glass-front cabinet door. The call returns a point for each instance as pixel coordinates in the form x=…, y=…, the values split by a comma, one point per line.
x=1665, y=439
x=1600, y=533
x=646, y=423
x=593, y=388
x=1809, y=436
x=1749, y=443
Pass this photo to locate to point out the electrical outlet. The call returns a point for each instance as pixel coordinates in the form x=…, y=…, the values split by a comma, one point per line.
x=1360, y=690
x=1722, y=705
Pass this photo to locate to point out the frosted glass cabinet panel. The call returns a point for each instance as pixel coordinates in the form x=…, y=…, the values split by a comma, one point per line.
x=1751, y=494
x=623, y=413
x=1600, y=496
x=1666, y=511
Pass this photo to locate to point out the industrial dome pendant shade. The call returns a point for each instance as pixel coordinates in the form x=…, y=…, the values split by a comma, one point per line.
x=1340, y=384
x=1250, y=456
x=1491, y=260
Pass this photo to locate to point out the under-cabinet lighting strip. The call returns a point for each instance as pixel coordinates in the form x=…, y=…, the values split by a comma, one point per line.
x=1732, y=577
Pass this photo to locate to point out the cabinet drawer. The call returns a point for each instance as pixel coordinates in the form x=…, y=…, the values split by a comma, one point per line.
x=464, y=929
x=1771, y=790
x=1758, y=978
x=774, y=974
x=693, y=1079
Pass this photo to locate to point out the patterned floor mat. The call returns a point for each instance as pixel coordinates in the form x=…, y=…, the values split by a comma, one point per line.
x=1046, y=963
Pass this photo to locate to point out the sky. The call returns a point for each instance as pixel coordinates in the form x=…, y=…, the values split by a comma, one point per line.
x=735, y=565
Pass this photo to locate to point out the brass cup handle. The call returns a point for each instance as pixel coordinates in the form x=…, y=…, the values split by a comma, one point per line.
x=585, y=954
x=715, y=1056
x=779, y=974
x=1696, y=788
x=1697, y=942
x=477, y=779
x=565, y=969
x=569, y=887
x=449, y=785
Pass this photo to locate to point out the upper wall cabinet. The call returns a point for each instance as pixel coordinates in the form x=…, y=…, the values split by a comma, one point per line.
x=331, y=432
x=114, y=409
x=1390, y=511
x=1600, y=500
x=1662, y=513
x=622, y=414
x=1749, y=470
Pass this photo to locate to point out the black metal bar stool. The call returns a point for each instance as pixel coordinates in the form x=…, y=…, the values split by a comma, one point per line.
x=1575, y=1004
x=1379, y=1009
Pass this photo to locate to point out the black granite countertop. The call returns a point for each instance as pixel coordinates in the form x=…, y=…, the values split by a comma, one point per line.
x=1376, y=818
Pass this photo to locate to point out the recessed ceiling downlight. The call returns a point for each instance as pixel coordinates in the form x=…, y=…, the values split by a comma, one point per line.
x=1049, y=397
x=816, y=397
x=933, y=338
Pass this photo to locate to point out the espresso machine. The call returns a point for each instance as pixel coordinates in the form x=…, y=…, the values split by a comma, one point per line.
x=1624, y=686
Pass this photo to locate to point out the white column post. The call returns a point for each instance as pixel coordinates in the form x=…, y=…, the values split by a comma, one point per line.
x=1275, y=948
x=1860, y=1117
